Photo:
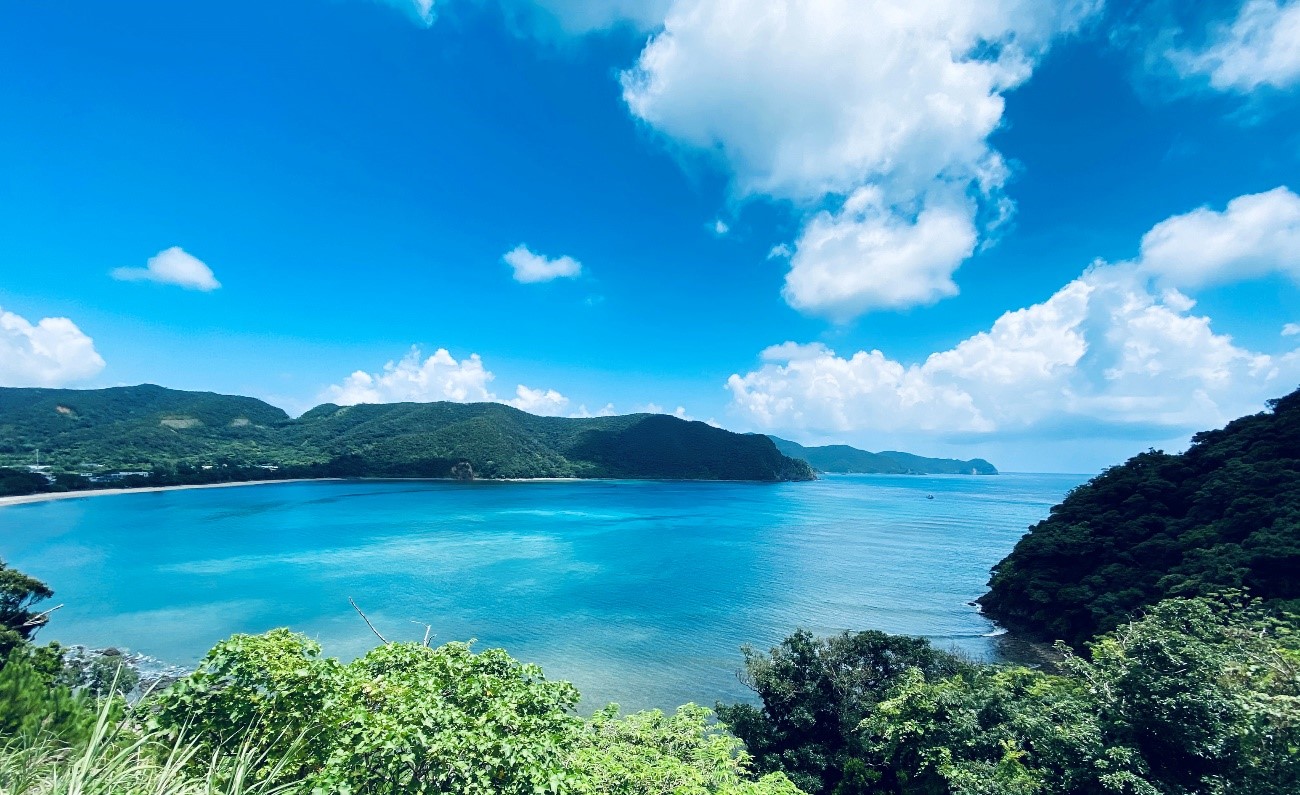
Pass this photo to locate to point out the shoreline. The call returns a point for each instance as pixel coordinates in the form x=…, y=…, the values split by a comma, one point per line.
x=47, y=496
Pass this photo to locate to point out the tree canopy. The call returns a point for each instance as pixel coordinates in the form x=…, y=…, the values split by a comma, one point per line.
x=1223, y=516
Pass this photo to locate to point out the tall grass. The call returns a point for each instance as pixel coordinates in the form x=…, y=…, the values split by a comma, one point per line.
x=117, y=762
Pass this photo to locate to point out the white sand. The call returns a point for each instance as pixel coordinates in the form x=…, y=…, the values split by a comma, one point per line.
x=72, y=495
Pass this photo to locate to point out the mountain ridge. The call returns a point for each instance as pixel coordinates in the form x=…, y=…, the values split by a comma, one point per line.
x=183, y=434
x=844, y=459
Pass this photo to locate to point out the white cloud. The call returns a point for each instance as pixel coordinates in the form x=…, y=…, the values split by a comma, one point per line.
x=530, y=267
x=1255, y=235
x=1291, y=330
x=580, y=17
x=52, y=352
x=654, y=408
x=1117, y=348
x=417, y=379
x=814, y=102
x=1260, y=47
x=720, y=227
x=605, y=411
x=422, y=12
x=172, y=266
x=868, y=257
x=546, y=402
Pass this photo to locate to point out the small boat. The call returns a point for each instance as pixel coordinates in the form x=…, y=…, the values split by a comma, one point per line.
x=929, y=496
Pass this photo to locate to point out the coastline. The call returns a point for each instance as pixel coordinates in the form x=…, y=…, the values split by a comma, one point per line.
x=24, y=499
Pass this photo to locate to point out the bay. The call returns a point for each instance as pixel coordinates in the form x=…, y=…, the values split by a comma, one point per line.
x=641, y=593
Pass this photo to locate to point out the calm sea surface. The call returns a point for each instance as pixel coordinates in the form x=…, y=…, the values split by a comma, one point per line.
x=638, y=592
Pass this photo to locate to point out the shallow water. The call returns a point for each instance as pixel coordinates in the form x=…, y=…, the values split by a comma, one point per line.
x=638, y=592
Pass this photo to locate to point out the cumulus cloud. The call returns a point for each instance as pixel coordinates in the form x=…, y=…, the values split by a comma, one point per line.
x=1117, y=348
x=654, y=408
x=546, y=402
x=816, y=102
x=604, y=411
x=1260, y=47
x=866, y=257
x=418, y=379
x=1253, y=236
x=530, y=267
x=52, y=352
x=172, y=266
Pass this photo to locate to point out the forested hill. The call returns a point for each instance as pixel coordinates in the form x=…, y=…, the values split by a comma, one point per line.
x=1224, y=515
x=183, y=435
x=841, y=458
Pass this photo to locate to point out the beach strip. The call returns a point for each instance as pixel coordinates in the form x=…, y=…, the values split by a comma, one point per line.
x=23, y=499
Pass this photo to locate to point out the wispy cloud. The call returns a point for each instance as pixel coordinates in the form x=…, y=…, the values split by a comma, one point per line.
x=1259, y=47
x=172, y=266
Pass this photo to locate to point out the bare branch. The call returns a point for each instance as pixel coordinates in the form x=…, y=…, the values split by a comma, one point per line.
x=363, y=618
x=39, y=619
x=428, y=628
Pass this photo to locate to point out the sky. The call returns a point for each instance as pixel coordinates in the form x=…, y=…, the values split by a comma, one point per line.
x=1050, y=233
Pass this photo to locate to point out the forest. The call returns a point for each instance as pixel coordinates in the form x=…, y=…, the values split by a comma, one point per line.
x=151, y=436
x=1223, y=516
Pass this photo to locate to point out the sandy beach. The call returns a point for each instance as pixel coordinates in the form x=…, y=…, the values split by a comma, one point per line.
x=73, y=495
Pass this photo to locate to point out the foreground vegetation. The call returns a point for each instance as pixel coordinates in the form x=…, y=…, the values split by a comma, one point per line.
x=1196, y=696
x=168, y=437
x=1224, y=515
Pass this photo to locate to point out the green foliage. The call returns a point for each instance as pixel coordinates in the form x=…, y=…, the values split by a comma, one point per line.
x=33, y=706
x=1196, y=698
x=114, y=762
x=1223, y=516
x=20, y=481
x=101, y=674
x=408, y=719
x=271, y=692
x=413, y=719
x=845, y=459
x=197, y=437
x=650, y=753
x=815, y=692
x=19, y=595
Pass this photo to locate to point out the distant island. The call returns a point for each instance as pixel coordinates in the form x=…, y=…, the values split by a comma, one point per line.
x=843, y=459
x=65, y=439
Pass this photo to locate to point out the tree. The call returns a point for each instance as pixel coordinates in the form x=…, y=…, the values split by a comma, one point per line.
x=1197, y=697
x=19, y=594
x=814, y=694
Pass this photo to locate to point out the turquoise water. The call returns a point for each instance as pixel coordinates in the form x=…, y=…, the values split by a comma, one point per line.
x=638, y=592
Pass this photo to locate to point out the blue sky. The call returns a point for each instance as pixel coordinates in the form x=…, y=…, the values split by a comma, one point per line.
x=1053, y=234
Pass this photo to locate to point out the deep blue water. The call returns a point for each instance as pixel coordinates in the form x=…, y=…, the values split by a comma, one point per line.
x=638, y=592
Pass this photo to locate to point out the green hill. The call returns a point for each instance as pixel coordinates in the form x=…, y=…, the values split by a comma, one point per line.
x=840, y=458
x=1224, y=515
x=183, y=435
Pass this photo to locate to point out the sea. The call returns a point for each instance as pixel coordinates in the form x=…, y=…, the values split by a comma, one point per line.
x=639, y=592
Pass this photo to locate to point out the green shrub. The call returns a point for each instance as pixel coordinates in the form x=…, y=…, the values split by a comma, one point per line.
x=409, y=719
